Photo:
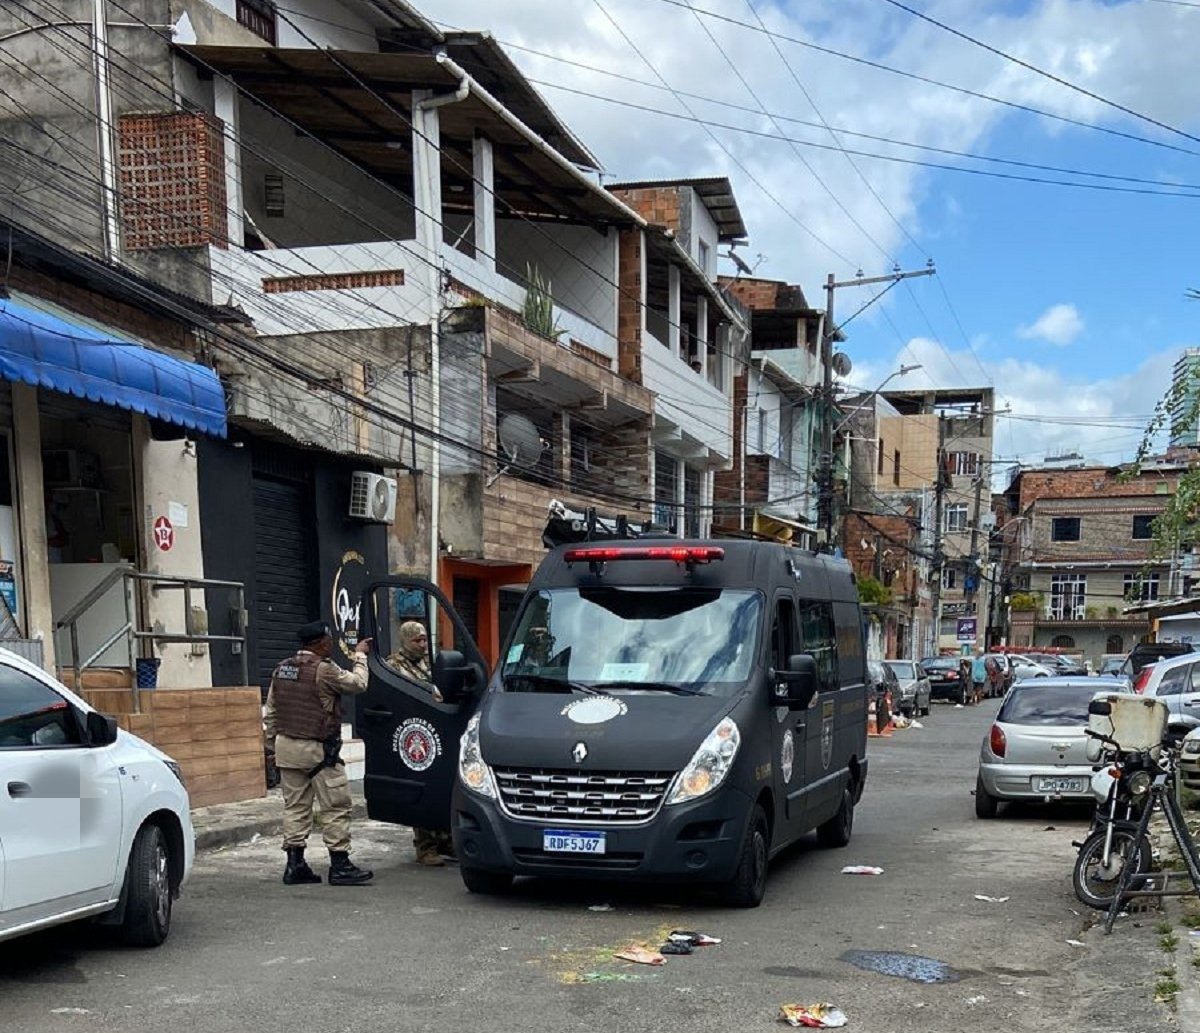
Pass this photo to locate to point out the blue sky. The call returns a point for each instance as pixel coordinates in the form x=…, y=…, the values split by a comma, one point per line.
x=1071, y=301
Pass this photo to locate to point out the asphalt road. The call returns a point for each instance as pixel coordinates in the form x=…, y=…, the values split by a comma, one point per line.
x=414, y=951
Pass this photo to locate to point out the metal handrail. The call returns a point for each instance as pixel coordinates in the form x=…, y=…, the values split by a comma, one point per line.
x=130, y=629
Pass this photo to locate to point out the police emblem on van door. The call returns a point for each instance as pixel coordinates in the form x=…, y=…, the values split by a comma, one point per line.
x=827, y=716
x=787, y=755
x=594, y=710
x=417, y=743
x=579, y=754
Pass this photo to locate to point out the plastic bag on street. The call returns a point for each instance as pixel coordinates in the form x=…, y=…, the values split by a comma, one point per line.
x=861, y=869
x=695, y=939
x=812, y=1016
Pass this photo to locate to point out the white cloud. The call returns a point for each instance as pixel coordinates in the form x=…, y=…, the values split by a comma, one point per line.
x=1059, y=324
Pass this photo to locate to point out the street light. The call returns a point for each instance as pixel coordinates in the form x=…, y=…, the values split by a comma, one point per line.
x=902, y=371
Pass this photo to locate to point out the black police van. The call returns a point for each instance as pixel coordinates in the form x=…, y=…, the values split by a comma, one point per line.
x=664, y=710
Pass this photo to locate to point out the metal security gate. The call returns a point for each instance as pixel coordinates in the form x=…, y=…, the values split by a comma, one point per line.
x=285, y=576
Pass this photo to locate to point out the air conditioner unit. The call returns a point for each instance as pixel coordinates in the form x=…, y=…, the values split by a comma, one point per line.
x=372, y=497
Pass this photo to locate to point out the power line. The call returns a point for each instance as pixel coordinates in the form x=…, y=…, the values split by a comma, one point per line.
x=817, y=48
x=1167, y=189
x=1041, y=71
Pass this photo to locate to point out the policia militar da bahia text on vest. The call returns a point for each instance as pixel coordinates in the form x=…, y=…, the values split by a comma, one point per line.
x=303, y=730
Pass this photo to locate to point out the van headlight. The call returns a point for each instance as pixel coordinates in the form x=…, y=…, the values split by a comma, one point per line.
x=472, y=771
x=709, y=764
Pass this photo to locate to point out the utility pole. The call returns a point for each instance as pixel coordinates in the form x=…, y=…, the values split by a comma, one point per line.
x=939, y=496
x=971, y=579
x=828, y=335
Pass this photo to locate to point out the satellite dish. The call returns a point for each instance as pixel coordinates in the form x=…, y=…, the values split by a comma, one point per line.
x=520, y=442
x=842, y=364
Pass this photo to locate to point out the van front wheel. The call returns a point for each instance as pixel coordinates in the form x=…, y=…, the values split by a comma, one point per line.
x=749, y=882
x=838, y=829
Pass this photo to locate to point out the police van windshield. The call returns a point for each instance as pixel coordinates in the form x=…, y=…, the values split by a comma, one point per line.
x=649, y=639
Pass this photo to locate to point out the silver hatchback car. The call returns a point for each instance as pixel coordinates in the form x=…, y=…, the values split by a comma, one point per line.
x=915, y=689
x=1035, y=750
x=1176, y=681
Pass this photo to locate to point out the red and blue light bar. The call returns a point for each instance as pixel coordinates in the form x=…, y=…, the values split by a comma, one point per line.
x=688, y=554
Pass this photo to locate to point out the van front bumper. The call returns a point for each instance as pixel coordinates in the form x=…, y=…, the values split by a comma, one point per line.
x=696, y=842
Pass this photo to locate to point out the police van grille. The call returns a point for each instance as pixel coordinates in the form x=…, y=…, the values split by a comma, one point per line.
x=626, y=797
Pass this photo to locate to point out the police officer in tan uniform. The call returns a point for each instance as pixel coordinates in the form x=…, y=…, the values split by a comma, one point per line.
x=411, y=660
x=303, y=729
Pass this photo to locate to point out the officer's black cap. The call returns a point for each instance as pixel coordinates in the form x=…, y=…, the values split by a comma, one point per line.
x=313, y=631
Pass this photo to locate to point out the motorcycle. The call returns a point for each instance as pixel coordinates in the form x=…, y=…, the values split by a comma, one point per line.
x=1121, y=783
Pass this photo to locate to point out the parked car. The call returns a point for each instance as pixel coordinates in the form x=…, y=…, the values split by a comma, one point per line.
x=1176, y=682
x=1024, y=668
x=1059, y=664
x=1189, y=761
x=1035, y=750
x=882, y=681
x=916, y=693
x=1111, y=666
x=1005, y=677
x=1145, y=653
x=945, y=678
x=66, y=768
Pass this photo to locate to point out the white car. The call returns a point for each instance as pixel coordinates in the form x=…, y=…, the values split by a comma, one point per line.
x=94, y=822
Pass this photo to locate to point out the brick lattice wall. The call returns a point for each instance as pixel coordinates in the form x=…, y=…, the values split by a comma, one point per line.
x=172, y=167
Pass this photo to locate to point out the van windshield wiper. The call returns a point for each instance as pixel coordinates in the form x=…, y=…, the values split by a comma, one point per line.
x=555, y=684
x=650, y=686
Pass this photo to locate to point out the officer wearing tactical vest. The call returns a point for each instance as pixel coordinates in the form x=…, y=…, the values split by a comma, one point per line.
x=303, y=729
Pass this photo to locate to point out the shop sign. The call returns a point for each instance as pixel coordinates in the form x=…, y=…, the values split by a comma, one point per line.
x=349, y=583
x=966, y=629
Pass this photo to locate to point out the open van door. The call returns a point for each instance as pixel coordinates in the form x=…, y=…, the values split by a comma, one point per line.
x=411, y=738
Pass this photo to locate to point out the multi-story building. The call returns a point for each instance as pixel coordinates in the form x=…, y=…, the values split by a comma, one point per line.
x=887, y=531
x=1078, y=553
x=771, y=488
x=411, y=240
x=948, y=434
x=1185, y=400
x=686, y=339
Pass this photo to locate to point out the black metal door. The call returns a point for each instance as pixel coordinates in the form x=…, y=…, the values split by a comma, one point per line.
x=285, y=571
x=411, y=738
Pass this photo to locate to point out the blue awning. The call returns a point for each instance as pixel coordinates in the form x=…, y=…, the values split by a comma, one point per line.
x=47, y=351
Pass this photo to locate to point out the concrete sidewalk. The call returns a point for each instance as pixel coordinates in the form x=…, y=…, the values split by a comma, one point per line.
x=227, y=824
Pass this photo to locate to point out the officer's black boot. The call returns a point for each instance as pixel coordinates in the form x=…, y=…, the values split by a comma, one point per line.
x=344, y=872
x=297, y=871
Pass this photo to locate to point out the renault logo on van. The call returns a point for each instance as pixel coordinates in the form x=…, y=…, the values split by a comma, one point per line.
x=580, y=752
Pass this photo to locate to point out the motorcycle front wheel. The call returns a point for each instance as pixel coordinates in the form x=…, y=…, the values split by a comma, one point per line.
x=1095, y=881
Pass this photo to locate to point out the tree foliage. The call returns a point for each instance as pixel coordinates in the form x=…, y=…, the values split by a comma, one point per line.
x=872, y=592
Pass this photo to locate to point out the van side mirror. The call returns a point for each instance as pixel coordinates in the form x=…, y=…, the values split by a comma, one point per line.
x=454, y=677
x=101, y=729
x=800, y=679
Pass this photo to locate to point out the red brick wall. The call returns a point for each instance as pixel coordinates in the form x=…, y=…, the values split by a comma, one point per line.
x=758, y=295
x=657, y=205
x=893, y=535
x=1088, y=483
x=629, y=305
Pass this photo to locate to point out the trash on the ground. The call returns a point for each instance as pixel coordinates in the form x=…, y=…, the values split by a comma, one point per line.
x=861, y=869
x=641, y=956
x=991, y=900
x=695, y=939
x=812, y=1016
x=978, y=999
x=958, y=706
x=1076, y=943
x=916, y=724
x=676, y=947
x=601, y=907
x=1050, y=828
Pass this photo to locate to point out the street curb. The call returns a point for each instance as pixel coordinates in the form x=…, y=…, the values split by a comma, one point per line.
x=1187, y=1001
x=244, y=831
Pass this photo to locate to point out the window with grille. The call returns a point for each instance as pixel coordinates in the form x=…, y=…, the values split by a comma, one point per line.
x=963, y=464
x=1143, y=528
x=1068, y=596
x=666, y=477
x=1138, y=589
x=260, y=17
x=956, y=517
